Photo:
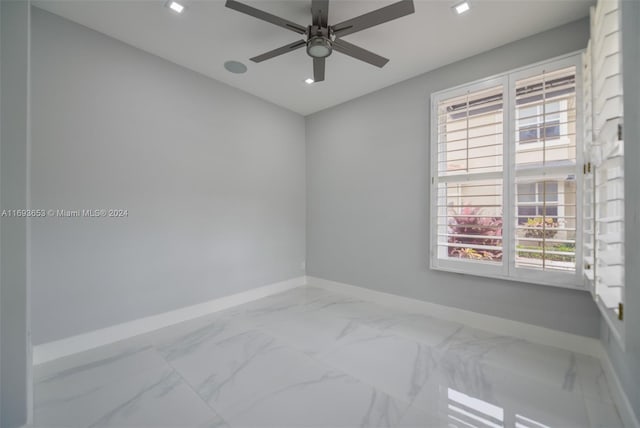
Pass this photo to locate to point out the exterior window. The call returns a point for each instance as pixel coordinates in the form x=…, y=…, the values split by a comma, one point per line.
x=469, y=197
x=504, y=188
x=533, y=128
x=537, y=200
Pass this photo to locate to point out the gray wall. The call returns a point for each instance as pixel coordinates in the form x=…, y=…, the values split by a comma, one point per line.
x=627, y=364
x=213, y=179
x=15, y=347
x=368, y=195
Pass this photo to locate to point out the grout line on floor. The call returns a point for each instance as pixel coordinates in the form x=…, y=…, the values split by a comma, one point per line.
x=191, y=387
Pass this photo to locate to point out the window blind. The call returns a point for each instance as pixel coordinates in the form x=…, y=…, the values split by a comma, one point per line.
x=504, y=182
x=588, y=178
x=469, y=176
x=545, y=213
x=605, y=167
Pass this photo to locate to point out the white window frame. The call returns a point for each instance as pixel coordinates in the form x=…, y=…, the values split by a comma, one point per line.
x=453, y=265
x=507, y=269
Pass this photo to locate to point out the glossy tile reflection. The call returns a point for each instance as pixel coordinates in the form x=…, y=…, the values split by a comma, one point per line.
x=313, y=358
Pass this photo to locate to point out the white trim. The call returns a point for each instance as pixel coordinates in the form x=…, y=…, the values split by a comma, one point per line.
x=536, y=334
x=29, y=374
x=615, y=326
x=491, y=270
x=515, y=70
x=93, y=339
x=535, y=277
x=620, y=398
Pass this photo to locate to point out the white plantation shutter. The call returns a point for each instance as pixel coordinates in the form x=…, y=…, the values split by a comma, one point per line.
x=545, y=156
x=468, y=179
x=609, y=227
x=588, y=201
x=605, y=168
x=505, y=184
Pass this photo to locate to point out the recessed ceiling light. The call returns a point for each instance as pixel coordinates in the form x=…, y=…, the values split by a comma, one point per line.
x=461, y=8
x=175, y=6
x=308, y=80
x=235, y=67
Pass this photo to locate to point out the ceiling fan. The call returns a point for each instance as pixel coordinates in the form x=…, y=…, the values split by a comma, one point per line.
x=321, y=39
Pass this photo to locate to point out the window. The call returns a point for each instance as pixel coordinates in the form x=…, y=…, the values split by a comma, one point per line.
x=537, y=200
x=504, y=187
x=533, y=128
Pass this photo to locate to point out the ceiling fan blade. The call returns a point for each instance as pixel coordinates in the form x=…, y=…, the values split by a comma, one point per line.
x=359, y=53
x=279, y=51
x=257, y=13
x=320, y=12
x=376, y=17
x=318, y=69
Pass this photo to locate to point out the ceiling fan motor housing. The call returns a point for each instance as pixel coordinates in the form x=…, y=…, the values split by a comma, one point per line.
x=319, y=43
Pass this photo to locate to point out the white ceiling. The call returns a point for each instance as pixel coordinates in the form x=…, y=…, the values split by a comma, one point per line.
x=207, y=34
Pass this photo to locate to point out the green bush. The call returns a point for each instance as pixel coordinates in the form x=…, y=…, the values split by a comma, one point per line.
x=561, y=248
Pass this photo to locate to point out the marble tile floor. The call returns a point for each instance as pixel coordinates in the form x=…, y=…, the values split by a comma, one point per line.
x=312, y=358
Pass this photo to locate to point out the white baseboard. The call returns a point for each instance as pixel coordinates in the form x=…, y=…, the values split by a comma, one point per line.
x=629, y=418
x=532, y=333
x=93, y=339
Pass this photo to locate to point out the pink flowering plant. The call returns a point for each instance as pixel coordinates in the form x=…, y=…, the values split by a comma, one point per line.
x=470, y=228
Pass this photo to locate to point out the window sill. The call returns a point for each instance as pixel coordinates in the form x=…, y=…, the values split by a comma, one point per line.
x=571, y=281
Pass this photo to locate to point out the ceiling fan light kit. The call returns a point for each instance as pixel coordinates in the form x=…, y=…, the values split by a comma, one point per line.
x=321, y=39
x=319, y=47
